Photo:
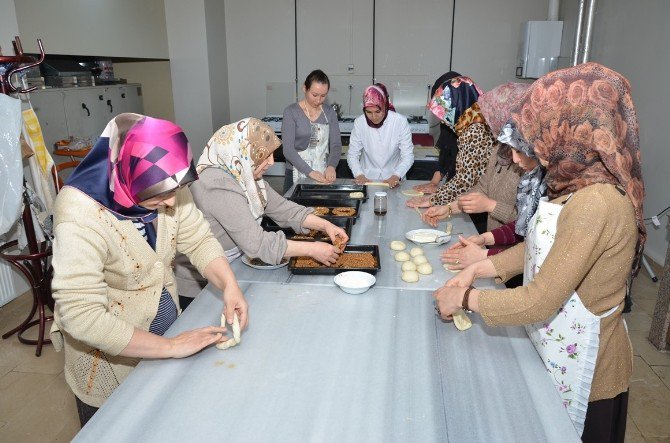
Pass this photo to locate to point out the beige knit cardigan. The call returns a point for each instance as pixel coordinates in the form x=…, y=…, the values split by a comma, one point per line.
x=108, y=281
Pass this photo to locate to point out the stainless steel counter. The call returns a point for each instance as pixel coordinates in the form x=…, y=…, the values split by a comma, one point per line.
x=317, y=364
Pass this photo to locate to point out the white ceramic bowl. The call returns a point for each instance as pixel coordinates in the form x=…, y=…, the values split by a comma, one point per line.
x=354, y=282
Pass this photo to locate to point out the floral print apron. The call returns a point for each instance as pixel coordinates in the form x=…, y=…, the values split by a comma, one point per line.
x=568, y=342
x=317, y=150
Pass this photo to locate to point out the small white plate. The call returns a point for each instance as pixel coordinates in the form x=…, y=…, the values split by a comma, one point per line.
x=428, y=237
x=247, y=261
x=354, y=282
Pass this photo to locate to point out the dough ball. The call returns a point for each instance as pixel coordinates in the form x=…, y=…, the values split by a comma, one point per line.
x=401, y=256
x=397, y=245
x=356, y=195
x=462, y=321
x=425, y=269
x=415, y=251
x=408, y=266
x=410, y=276
x=419, y=260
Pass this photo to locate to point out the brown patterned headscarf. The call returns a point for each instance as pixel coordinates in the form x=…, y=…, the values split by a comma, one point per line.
x=496, y=106
x=583, y=122
x=239, y=148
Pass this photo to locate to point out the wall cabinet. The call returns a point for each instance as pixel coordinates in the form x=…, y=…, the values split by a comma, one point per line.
x=83, y=112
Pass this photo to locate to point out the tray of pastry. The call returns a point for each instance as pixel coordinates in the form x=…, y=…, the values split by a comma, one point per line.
x=354, y=258
x=331, y=209
x=313, y=235
x=342, y=191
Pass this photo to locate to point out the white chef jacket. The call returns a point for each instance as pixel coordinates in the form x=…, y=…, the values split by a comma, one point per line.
x=379, y=153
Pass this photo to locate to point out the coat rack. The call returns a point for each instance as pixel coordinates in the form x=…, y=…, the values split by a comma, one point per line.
x=34, y=263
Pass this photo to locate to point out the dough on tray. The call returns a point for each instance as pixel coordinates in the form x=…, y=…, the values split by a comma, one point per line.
x=397, y=245
x=401, y=256
x=408, y=266
x=425, y=269
x=410, y=276
x=415, y=251
x=420, y=259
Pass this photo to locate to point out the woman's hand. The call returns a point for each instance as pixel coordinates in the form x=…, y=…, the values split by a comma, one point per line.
x=189, y=342
x=476, y=202
x=318, y=176
x=335, y=233
x=468, y=253
x=418, y=202
x=234, y=302
x=464, y=278
x=361, y=179
x=329, y=174
x=434, y=214
x=448, y=300
x=323, y=252
x=427, y=188
x=393, y=181
x=479, y=240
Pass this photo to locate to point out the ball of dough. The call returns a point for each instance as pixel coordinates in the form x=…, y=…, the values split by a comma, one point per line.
x=397, y=245
x=425, y=269
x=401, y=256
x=408, y=266
x=410, y=276
x=462, y=321
x=420, y=259
x=415, y=251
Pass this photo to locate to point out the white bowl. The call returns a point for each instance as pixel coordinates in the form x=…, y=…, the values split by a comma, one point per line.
x=428, y=237
x=354, y=282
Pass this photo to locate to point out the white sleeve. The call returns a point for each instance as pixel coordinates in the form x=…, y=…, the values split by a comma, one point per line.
x=355, y=149
x=406, y=149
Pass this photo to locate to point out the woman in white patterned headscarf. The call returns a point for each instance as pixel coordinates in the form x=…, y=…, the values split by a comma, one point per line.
x=234, y=198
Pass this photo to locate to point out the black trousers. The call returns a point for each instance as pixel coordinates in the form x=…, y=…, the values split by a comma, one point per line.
x=606, y=420
x=85, y=411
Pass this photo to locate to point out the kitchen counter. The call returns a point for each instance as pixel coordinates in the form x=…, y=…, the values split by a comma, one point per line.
x=317, y=364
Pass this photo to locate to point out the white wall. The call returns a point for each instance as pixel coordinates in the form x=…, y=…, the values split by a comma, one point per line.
x=218, y=62
x=261, y=50
x=631, y=38
x=156, y=85
x=486, y=38
x=9, y=27
x=119, y=28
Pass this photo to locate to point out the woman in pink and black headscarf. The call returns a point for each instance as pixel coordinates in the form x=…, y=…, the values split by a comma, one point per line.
x=119, y=221
x=380, y=146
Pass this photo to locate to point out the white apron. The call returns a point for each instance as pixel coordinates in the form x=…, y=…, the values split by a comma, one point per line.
x=568, y=342
x=317, y=150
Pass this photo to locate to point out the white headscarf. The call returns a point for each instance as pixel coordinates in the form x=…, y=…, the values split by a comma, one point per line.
x=238, y=148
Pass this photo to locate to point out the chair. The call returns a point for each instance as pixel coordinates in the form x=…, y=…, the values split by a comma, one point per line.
x=423, y=140
x=56, y=169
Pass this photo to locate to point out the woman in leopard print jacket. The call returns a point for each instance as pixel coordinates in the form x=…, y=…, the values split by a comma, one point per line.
x=455, y=104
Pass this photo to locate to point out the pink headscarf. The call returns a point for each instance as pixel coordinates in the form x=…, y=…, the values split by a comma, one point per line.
x=377, y=96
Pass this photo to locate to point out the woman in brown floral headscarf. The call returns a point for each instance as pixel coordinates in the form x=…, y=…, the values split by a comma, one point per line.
x=579, y=249
x=582, y=122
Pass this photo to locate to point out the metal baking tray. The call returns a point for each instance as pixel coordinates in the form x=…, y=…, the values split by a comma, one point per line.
x=326, y=270
x=328, y=192
x=345, y=223
x=330, y=204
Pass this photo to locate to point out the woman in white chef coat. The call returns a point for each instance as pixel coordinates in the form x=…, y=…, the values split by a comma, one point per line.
x=380, y=146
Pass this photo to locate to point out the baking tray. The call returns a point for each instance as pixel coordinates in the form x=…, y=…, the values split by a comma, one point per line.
x=328, y=192
x=343, y=222
x=330, y=204
x=325, y=270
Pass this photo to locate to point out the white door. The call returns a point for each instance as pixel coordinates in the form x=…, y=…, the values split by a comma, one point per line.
x=131, y=99
x=85, y=111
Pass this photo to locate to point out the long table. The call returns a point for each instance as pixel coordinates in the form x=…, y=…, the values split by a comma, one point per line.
x=317, y=364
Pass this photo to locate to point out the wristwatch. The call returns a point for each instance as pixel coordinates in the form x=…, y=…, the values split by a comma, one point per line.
x=466, y=298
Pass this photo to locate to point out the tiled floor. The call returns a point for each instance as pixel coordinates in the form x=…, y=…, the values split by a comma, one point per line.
x=37, y=406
